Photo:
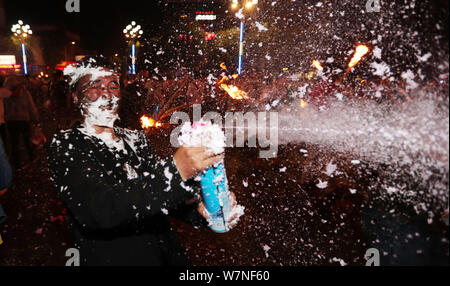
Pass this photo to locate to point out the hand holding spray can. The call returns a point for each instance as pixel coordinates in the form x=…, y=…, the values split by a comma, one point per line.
x=213, y=180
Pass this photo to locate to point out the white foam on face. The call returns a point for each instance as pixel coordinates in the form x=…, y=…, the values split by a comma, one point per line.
x=102, y=112
x=95, y=113
x=76, y=73
x=203, y=133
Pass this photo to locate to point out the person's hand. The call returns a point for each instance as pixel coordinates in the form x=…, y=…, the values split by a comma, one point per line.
x=191, y=160
x=232, y=220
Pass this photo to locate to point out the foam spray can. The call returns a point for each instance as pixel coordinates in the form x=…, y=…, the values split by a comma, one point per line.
x=215, y=193
x=213, y=180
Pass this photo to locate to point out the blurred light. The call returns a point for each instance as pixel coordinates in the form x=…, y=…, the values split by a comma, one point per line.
x=249, y=5
x=25, y=70
x=209, y=36
x=133, y=23
x=205, y=17
x=20, y=22
x=317, y=65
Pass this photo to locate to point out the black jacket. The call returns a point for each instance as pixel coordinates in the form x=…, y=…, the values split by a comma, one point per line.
x=117, y=203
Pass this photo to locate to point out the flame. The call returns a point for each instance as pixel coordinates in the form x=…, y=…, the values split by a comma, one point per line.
x=361, y=51
x=317, y=65
x=235, y=76
x=223, y=66
x=147, y=122
x=234, y=91
x=225, y=78
x=303, y=103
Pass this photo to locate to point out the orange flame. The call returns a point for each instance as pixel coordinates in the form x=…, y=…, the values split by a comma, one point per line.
x=223, y=66
x=303, y=103
x=361, y=51
x=147, y=122
x=317, y=65
x=225, y=78
x=234, y=91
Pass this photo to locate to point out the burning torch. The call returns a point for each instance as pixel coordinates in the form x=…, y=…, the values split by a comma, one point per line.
x=360, y=51
x=317, y=65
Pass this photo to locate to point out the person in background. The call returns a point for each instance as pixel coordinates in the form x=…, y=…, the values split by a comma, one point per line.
x=59, y=99
x=20, y=113
x=4, y=93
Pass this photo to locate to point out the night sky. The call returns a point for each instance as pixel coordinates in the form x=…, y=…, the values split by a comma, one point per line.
x=407, y=33
x=99, y=24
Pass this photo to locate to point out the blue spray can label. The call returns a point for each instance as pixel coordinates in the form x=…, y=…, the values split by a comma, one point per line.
x=216, y=196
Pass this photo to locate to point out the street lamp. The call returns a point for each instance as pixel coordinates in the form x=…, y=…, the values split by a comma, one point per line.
x=22, y=31
x=133, y=32
x=248, y=5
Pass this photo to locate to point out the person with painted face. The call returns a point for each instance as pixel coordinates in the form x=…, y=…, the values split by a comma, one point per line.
x=117, y=191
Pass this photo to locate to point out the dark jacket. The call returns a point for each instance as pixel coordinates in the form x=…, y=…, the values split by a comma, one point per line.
x=118, y=219
x=20, y=107
x=5, y=175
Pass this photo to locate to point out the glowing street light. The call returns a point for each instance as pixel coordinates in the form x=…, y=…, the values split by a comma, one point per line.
x=133, y=32
x=248, y=4
x=22, y=32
